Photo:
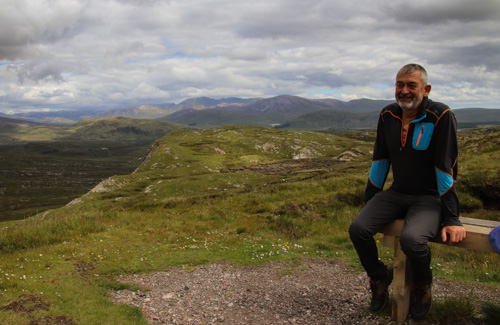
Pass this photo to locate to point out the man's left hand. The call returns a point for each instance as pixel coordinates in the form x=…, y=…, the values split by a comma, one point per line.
x=455, y=234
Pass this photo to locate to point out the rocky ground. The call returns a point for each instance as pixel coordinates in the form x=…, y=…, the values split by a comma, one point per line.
x=308, y=291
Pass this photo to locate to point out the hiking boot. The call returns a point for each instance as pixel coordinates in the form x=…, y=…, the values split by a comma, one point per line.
x=421, y=301
x=380, y=292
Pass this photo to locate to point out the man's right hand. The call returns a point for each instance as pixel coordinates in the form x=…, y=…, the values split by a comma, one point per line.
x=455, y=234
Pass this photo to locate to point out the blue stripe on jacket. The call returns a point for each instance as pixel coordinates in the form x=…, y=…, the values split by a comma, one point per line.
x=444, y=181
x=379, y=171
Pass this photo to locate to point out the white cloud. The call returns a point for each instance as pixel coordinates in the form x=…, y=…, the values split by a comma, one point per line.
x=108, y=53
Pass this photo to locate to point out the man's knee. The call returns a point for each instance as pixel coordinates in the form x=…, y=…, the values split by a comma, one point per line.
x=413, y=245
x=357, y=230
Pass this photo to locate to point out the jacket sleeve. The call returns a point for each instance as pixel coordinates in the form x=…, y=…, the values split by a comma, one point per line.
x=380, y=164
x=445, y=162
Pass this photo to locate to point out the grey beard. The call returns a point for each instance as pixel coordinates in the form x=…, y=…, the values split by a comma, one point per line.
x=408, y=107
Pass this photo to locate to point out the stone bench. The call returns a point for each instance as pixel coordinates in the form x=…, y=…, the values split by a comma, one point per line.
x=477, y=239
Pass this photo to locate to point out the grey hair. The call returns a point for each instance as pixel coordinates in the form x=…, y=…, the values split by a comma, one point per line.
x=412, y=67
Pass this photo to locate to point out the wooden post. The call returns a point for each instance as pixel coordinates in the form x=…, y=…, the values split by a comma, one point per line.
x=401, y=284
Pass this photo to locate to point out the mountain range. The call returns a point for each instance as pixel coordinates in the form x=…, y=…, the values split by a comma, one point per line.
x=286, y=112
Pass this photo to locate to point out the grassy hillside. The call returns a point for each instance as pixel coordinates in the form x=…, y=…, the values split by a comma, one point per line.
x=479, y=171
x=122, y=129
x=244, y=195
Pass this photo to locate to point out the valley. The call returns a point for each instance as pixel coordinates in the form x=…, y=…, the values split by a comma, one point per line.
x=39, y=176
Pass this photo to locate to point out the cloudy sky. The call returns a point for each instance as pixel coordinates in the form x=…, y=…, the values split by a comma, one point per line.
x=75, y=54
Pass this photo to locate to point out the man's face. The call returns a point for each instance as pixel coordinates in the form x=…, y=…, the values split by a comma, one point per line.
x=410, y=90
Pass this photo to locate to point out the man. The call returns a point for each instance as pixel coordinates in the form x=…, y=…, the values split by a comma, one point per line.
x=418, y=138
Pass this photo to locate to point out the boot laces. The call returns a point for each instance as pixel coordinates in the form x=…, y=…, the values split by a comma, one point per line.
x=377, y=288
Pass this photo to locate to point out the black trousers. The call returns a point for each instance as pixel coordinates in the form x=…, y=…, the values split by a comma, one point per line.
x=422, y=220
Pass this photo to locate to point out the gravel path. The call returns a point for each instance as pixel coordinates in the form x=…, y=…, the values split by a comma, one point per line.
x=307, y=291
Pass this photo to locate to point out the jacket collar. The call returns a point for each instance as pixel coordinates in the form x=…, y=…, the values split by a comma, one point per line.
x=422, y=109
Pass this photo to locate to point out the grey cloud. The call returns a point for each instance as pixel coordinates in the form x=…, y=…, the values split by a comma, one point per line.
x=135, y=47
x=297, y=19
x=328, y=80
x=53, y=93
x=439, y=12
x=41, y=71
x=12, y=52
x=485, y=54
x=143, y=2
x=247, y=54
x=23, y=24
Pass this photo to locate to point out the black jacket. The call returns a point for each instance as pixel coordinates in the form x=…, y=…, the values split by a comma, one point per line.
x=423, y=163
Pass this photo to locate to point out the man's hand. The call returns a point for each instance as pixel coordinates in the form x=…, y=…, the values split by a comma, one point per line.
x=456, y=234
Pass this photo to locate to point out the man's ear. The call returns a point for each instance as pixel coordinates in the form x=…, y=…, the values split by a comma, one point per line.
x=427, y=90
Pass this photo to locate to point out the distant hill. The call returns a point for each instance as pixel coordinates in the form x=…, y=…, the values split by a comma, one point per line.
x=141, y=111
x=10, y=124
x=366, y=105
x=10, y=127
x=263, y=112
x=333, y=120
x=152, y=111
x=475, y=117
x=356, y=105
x=113, y=129
x=56, y=117
x=282, y=110
x=67, y=117
x=212, y=117
x=285, y=111
x=122, y=129
x=283, y=107
x=290, y=105
x=206, y=102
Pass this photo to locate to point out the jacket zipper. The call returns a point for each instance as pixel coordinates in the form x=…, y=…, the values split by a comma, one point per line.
x=420, y=135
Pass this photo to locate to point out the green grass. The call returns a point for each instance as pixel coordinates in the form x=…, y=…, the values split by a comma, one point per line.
x=233, y=194
x=454, y=310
